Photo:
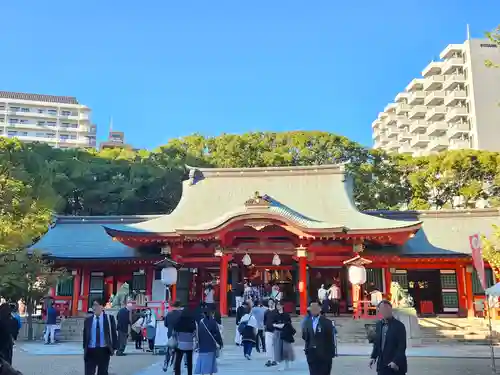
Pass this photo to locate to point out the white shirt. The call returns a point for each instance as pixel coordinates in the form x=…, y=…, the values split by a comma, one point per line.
x=250, y=319
x=209, y=296
x=322, y=294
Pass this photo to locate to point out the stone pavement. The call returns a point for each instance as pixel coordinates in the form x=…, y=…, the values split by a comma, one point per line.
x=66, y=359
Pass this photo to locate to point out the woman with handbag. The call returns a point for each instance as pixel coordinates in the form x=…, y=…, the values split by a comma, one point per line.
x=185, y=332
x=209, y=345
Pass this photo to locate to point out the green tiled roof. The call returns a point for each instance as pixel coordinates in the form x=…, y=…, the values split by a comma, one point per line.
x=317, y=197
x=445, y=232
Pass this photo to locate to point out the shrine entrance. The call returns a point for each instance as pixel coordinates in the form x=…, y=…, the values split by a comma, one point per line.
x=425, y=288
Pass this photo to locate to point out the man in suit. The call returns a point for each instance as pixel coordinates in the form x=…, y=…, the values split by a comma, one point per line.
x=99, y=340
x=389, y=346
x=319, y=341
x=122, y=326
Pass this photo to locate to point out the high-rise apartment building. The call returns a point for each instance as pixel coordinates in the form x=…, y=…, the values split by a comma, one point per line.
x=59, y=121
x=454, y=105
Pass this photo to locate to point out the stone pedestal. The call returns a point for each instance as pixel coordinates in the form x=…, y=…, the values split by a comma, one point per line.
x=408, y=316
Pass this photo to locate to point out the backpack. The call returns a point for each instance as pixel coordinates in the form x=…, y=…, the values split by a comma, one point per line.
x=242, y=326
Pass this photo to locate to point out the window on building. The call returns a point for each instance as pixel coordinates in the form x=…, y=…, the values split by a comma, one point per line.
x=40, y=110
x=52, y=112
x=65, y=287
x=139, y=282
x=51, y=123
x=374, y=275
x=23, y=121
x=25, y=109
x=12, y=133
x=13, y=120
x=66, y=113
x=23, y=134
x=41, y=123
x=15, y=109
x=476, y=284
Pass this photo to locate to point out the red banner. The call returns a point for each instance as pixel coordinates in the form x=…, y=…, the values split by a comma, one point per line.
x=477, y=258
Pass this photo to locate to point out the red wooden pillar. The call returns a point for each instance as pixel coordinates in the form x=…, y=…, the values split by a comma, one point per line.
x=150, y=275
x=77, y=280
x=224, y=261
x=173, y=294
x=388, y=282
x=461, y=290
x=86, y=289
x=469, y=293
x=303, y=283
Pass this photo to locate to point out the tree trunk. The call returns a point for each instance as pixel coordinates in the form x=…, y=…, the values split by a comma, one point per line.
x=29, y=319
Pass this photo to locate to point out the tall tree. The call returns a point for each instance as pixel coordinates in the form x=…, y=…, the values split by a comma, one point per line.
x=494, y=37
x=491, y=251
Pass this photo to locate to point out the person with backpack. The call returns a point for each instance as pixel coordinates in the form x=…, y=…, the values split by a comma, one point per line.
x=248, y=331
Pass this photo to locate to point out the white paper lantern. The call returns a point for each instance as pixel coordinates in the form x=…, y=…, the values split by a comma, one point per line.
x=247, y=260
x=169, y=276
x=357, y=275
x=276, y=260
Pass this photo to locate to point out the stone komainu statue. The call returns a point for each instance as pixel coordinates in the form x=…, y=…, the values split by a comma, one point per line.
x=122, y=296
x=399, y=298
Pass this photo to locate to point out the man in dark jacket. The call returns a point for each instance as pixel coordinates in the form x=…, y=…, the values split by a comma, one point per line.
x=122, y=326
x=319, y=342
x=170, y=321
x=99, y=340
x=389, y=347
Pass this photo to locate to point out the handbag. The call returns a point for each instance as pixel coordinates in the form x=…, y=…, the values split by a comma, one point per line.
x=172, y=341
x=217, y=348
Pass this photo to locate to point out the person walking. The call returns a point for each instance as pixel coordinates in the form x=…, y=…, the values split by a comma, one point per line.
x=248, y=331
x=283, y=351
x=17, y=317
x=323, y=298
x=334, y=297
x=8, y=329
x=170, y=321
x=389, y=346
x=100, y=340
x=258, y=311
x=269, y=318
x=50, y=324
x=319, y=342
x=123, y=318
x=149, y=325
x=209, y=345
x=209, y=297
x=240, y=311
x=185, y=331
x=136, y=330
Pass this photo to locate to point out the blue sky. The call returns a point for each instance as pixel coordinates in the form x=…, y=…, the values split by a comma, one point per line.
x=165, y=69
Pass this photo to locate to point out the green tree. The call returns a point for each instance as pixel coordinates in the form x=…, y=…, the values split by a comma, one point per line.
x=494, y=37
x=27, y=277
x=491, y=250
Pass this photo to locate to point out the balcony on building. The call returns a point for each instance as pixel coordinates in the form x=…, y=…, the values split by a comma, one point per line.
x=404, y=136
x=437, y=144
x=453, y=97
x=457, y=130
x=390, y=118
x=419, y=140
x=433, y=83
x=384, y=139
x=417, y=112
x=416, y=84
x=376, y=124
x=437, y=128
x=452, y=64
x=451, y=50
x=391, y=107
x=416, y=97
x=433, y=68
x=436, y=113
x=456, y=113
x=451, y=81
x=459, y=144
x=392, y=146
x=392, y=131
x=403, y=122
x=418, y=126
x=405, y=149
x=435, y=98
x=402, y=97
x=403, y=108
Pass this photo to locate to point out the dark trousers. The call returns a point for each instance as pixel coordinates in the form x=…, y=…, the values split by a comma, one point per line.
x=318, y=365
x=336, y=307
x=178, y=361
x=6, y=354
x=97, y=358
x=260, y=341
x=122, y=341
x=151, y=344
x=247, y=347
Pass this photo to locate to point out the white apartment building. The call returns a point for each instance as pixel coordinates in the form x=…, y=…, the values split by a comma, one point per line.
x=59, y=121
x=453, y=105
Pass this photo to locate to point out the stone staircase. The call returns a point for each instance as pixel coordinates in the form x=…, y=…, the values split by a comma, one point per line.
x=433, y=331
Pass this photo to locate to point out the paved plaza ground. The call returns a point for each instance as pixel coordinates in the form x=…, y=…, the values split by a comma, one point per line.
x=66, y=359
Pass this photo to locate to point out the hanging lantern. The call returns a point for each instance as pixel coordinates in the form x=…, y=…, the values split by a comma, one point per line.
x=169, y=276
x=357, y=275
x=247, y=260
x=276, y=260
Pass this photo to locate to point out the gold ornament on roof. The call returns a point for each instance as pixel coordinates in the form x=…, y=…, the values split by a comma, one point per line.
x=257, y=201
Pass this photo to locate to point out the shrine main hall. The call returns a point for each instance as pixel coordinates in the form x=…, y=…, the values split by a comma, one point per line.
x=295, y=227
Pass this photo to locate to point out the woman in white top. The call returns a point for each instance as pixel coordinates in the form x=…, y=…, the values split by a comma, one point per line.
x=149, y=323
x=248, y=331
x=210, y=297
